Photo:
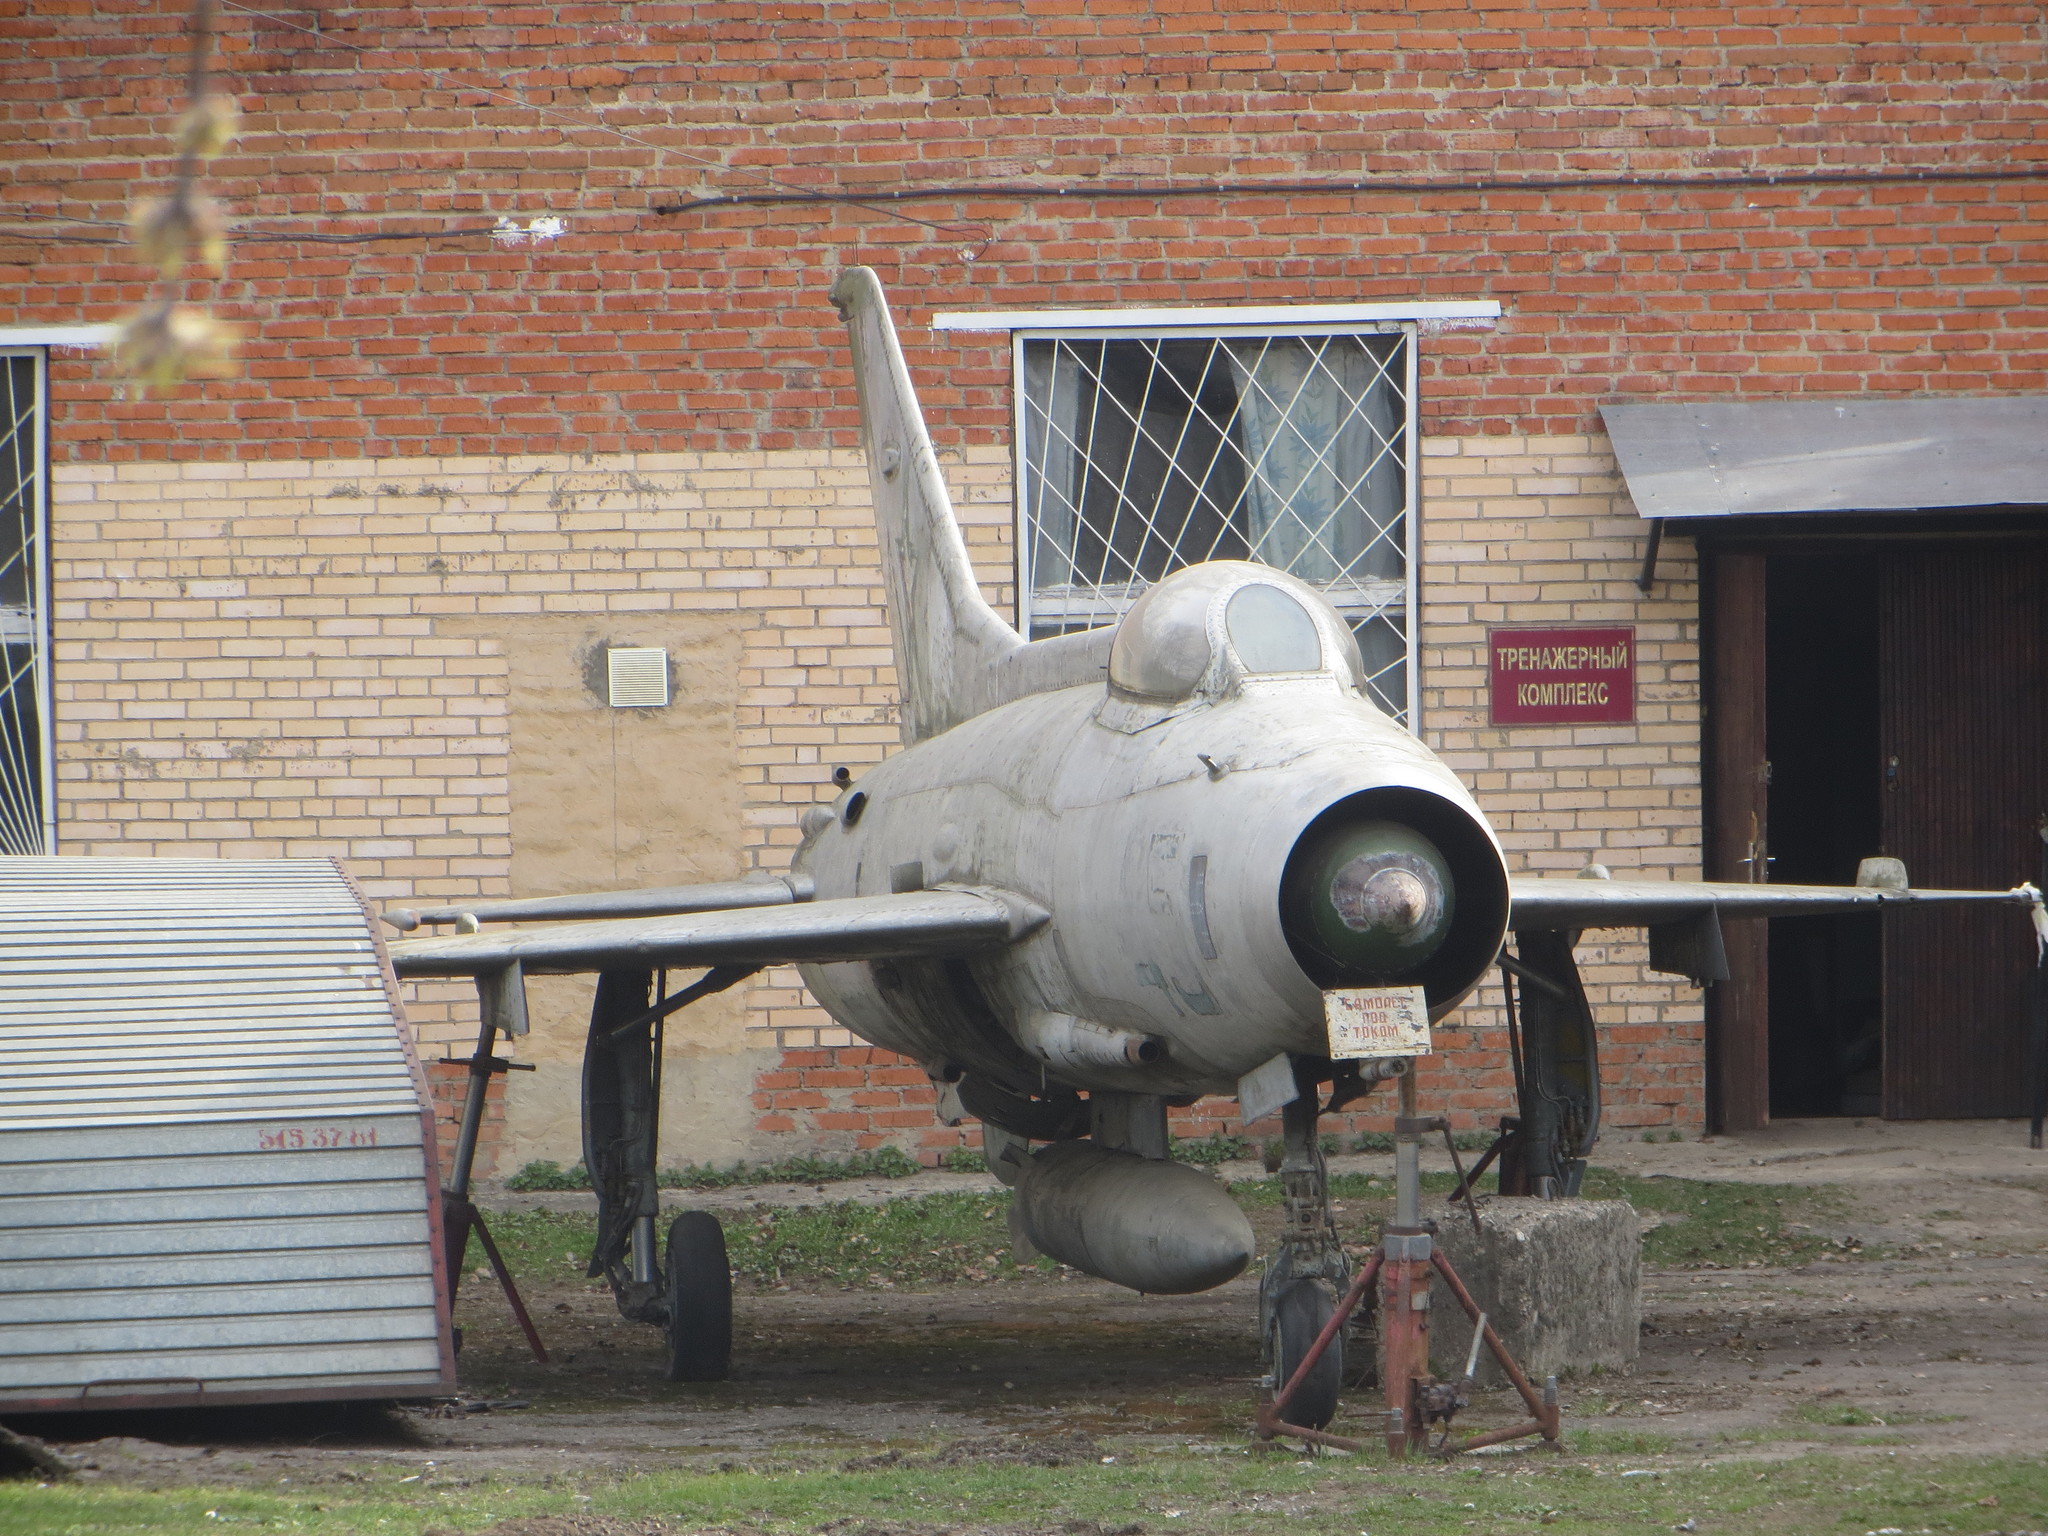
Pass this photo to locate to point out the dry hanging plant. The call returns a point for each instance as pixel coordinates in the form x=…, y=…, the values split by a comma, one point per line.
x=166, y=341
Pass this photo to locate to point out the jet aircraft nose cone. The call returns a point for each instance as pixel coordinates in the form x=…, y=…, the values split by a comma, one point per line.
x=1374, y=897
x=1369, y=894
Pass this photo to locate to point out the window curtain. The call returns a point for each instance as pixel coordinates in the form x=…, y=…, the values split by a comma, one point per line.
x=1319, y=428
x=1055, y=390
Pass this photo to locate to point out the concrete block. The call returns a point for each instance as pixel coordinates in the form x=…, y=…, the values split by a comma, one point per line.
x=1560, y=1280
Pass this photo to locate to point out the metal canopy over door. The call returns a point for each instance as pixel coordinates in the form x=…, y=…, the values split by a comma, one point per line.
x=1964, y=725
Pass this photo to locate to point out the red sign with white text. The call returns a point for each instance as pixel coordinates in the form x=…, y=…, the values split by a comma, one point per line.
x=1561, y=676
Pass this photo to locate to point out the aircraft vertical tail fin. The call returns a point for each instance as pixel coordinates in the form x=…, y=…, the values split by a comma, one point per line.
x=950, y=643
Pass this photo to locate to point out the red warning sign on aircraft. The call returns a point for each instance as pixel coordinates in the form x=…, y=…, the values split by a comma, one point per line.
x=1561, y=676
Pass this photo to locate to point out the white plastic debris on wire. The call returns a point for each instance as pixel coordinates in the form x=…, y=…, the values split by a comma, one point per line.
x=536, y=231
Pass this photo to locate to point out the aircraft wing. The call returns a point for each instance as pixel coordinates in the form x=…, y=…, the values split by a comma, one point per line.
x=658, y=901
x=1570, y=902
x=947, y=921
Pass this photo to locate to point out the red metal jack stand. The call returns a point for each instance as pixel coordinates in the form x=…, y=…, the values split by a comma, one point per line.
x=1404, y=1266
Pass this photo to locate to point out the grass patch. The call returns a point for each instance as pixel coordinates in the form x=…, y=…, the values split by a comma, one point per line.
x=538, y=1243
x=901, y=1242
x=1227, y=1493
x=918, y=1240
x=1213, y=1149
x=1619, y=1442
x=1725, y=1224
x=881, y=1163
x=544, y=1175
x=965, y=1235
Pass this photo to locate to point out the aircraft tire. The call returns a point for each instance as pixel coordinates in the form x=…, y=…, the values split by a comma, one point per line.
x=699, y=1299
x=1298, y=1317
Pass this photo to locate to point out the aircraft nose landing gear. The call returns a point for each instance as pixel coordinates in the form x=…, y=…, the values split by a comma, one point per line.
x=1404, y=1269
x=1298, y=1294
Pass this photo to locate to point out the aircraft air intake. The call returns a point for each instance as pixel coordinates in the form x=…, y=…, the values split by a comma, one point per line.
x=1377, y=897
x=1395, y=887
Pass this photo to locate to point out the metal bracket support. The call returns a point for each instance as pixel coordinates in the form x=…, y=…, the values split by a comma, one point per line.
x=1647, y=577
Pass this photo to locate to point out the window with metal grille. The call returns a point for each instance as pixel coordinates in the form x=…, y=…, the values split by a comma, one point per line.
x=1140, y=454
x=25, y=802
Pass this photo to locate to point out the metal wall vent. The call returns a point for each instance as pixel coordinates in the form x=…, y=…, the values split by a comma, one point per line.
x=638, y=676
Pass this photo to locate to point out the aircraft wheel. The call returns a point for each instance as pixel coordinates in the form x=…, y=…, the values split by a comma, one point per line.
x=1298, y=1317
x=699, y=1299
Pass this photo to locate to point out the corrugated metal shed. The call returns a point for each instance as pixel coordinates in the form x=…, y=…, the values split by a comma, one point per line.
x=1712, y=460
x=216, y=1178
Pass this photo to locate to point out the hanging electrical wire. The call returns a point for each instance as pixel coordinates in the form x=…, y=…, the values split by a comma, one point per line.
x=1375, y=186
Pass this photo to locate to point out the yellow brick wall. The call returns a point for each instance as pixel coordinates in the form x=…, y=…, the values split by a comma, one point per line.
x=1541, y=530
x=252, y=660
x=257, y=660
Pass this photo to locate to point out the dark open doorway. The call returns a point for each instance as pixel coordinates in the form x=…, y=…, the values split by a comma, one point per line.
x=1822, y=741
x=1875, y=686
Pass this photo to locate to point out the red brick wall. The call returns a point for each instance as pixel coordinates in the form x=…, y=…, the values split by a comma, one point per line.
x=851, y=1099
x=856, y=1097
x=448, y=1082
x=710, y=329
x=642, y=330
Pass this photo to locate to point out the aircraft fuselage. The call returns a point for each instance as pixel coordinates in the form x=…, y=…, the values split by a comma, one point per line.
x=1159, y=837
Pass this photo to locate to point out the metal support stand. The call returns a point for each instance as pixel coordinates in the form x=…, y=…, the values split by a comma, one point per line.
x=459, y=1217
x=1403, y=1268
x=1406, y=1249
x=2037, y=1044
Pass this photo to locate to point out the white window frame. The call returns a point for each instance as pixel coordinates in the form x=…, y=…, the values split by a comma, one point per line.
x=1410, y=544
x=39, y=576
x=1408, y=320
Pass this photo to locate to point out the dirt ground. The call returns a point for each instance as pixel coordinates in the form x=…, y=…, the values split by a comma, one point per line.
x=1942, y=1350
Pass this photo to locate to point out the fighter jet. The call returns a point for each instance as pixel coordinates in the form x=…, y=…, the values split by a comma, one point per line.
x=1107, y=873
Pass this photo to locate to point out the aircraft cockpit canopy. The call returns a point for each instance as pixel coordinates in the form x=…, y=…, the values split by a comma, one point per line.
x=1207, y=627
x=1270, y=631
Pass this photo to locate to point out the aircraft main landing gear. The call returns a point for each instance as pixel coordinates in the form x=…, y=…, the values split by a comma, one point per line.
x=699, y=1322
x=689, y=1296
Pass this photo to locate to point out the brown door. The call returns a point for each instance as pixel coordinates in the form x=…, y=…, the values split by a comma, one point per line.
x=1737, y=834
x=1964, y=729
